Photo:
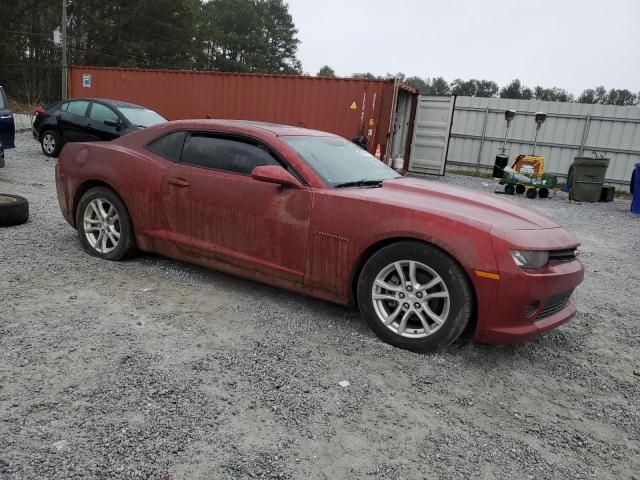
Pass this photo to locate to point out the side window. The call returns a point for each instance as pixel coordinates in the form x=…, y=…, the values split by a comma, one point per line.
x=78, y=107
x=168, y=146
x=205, y=150
x=100, y=113
x=64, y=106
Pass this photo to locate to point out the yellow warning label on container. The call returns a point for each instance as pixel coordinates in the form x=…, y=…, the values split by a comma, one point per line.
x=353, y=105
x=371, y=122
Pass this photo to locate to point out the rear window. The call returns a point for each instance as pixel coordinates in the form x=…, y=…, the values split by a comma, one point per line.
x=79, y=107
x=168, y=146
x=3, y=102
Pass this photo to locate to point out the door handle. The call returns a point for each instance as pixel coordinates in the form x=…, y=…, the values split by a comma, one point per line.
x=179, y=182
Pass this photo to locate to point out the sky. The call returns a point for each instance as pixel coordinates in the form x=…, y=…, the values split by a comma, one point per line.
x=571, y=44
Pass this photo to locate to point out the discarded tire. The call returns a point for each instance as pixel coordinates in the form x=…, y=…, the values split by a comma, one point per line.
x=14, y=210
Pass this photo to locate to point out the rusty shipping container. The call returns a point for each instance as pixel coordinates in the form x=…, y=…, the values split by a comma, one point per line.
x=381, y=110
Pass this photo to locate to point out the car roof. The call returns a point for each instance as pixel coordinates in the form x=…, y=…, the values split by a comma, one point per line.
x=113, y=103
x=275, y=129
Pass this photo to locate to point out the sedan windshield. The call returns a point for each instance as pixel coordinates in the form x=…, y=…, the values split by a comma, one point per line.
x=339, y=162
x=141, y=117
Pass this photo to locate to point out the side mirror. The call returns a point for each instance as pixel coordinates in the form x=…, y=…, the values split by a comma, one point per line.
x=274, y=174
x=110, y=123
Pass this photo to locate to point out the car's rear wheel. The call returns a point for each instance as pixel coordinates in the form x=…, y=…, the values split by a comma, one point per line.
x=50, y=143
x=415, y=296
x=104, y=225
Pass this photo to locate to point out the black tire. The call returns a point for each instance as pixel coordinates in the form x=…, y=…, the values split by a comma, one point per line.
x=14, y=210
x=461, y=298
x=126, y=245
x=532, y=193
x=520, y=189
x=543, y=193
x=50, y=149
x=509, y=189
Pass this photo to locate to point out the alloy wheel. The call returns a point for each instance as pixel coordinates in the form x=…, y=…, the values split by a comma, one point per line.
x=410, y=299
x=101, y=225
x=49, y=143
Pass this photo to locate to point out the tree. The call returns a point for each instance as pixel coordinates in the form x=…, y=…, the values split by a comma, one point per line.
x=326, y=71
x=392, y=76
x=248, y=36
x=612, y=97
x=366, y=76
x=554, y=94
x=437, y=86
x=417, y=83
x=279, y=35
x=621, y=97
x=587, y=96
x=516, y=90
x=474, y=88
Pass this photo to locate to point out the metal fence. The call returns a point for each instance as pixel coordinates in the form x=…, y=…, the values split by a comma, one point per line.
x=571, y=129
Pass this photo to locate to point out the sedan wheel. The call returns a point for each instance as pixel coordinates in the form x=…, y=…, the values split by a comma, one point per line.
x=415, y=296
x=101, y=225
x=104, y=225
x=411, y=299
x=50, y=143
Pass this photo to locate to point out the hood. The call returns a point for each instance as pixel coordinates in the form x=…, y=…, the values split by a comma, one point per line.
x=469, y=206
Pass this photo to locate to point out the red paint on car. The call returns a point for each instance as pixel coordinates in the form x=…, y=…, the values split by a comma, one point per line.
x=311, y=238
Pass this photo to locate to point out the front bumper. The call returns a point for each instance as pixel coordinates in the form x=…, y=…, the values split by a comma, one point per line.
x=525, y=303
x=518, y=310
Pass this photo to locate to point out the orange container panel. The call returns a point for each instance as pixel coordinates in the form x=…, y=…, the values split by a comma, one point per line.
x=344, y=106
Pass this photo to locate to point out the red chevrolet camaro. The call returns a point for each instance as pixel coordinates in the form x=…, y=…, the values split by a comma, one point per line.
x=311, y=212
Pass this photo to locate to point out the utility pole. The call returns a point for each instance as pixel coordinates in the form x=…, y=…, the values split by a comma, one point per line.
x=63, y=34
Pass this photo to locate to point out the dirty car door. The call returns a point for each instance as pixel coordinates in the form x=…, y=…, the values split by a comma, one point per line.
x=216, y=209
x=73, y=122
x=98, y=129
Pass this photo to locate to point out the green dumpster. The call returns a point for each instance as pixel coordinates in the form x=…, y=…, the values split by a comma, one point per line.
x=587, y=178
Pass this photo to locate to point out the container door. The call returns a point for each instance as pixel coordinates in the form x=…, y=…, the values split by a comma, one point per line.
x=431, y=134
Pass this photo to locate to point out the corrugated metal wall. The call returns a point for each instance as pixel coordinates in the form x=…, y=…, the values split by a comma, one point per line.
x=570, y=129
x=346, y=107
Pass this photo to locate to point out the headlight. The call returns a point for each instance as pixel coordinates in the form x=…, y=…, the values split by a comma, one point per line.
x=530, y=258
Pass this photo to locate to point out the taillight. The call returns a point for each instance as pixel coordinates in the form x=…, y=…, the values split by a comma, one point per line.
x=38, y=111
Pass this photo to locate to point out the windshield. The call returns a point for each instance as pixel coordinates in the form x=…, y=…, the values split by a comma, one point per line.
x=339, y=161
x=141, y=117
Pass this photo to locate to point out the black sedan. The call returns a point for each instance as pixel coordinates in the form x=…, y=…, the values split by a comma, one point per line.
x=88, y=120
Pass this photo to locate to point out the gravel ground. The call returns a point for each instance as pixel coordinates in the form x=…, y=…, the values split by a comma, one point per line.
x=153, y=368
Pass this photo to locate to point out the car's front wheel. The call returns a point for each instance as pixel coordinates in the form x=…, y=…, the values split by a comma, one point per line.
x=104, y=225
x=415, y=296
x=50, y=143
